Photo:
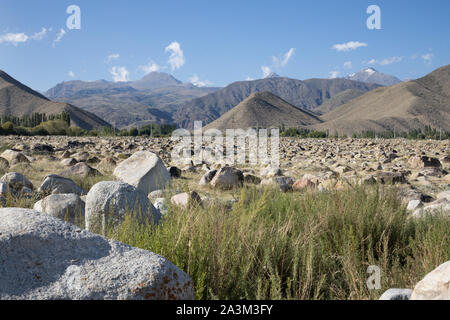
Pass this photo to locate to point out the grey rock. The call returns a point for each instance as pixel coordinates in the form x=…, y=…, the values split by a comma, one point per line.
x=68, y=207
x=396, y=294
x=185, y=199
x=161, y=205
x=207, y=177
x=414, y=205
x=284, y=183
x=44, y=258
x=14, y=157
x=80, y=170
x=108, y=202
x=16, y=181
x=228, y=178
x=143, y=170
x=54, y=184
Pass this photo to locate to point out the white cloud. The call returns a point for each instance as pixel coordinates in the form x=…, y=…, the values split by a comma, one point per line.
x=59, y=36
x=386, y=61
x=334, y=74
x=151, y=67
x=112, y=57
x=195, y=80
x=120, y=74
x=71, y=74
x=14, y=38
x=266, y=71
x=249, y=79
x=348, y=65
x=391, y=60
x=176, y=59
x=351, y=45
x=280, y=62
x=428, y=58
x=40, y=35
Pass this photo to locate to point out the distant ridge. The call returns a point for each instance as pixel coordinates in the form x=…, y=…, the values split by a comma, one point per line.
x=16, y=99
x=307, y=94
x=263, y=110
x=402, y=107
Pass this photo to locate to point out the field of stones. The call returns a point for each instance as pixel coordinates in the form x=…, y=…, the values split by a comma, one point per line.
x=114, y=218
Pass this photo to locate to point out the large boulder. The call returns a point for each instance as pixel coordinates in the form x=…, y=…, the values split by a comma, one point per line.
x=54, y=184
x=44, y=258
x=435, y=285
x=81, y=170
x=68, y=207
x=14, y=157
x=108, y=202
x=143, y=170
x=228, y=178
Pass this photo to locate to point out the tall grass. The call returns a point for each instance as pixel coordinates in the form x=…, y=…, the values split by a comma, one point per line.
x=296, y=246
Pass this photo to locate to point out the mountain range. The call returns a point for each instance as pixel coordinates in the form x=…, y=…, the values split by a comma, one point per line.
x=337, y=105
x=16, y=99
x=307, y=95
x=152, y=99
x=402, y=107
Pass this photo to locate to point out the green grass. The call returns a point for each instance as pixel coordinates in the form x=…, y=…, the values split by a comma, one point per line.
x=296, y=246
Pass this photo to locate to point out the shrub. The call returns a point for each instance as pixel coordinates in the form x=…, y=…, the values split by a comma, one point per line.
x=296, y=246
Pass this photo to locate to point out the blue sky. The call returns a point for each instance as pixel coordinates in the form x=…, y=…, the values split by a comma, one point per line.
x=218, y=42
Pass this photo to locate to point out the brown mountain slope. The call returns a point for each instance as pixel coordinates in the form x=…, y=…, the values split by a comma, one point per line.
x=17, y=99
x=263, y=110
x=307, y=94
x=402, y=107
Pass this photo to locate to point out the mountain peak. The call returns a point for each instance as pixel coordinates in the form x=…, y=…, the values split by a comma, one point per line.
x=371, y=75
x=272, y=75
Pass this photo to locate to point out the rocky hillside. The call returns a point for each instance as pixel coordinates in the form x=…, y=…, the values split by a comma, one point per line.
x=18, y=100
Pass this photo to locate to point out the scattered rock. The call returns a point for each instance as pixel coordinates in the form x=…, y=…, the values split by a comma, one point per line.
x=16, y=182
x=228, y=178
x=14, y=157
x=44, y=258
x=143, y=170
x=69, y=162
x=68, y=207
x=423, y=162
x=108, y=202
x=40, y=148
x=207, y=177
x=251, y=179
x=81, y=170
x=303, y=184
x=54, y=184
x=414, y=205
x=270, y=172
x=186, y=199
x=284, y=183
x=175, y=172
